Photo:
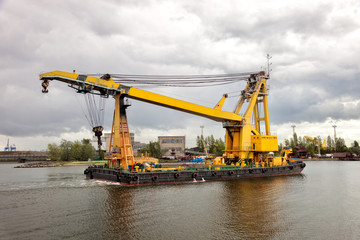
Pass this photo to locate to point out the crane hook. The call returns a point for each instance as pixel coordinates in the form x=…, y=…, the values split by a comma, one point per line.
x=45, y=85
x=98, y=133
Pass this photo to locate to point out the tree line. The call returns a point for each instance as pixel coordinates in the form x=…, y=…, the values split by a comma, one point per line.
x=153, y=149
x=213, y=146
x=71, y=151
x=312, y=144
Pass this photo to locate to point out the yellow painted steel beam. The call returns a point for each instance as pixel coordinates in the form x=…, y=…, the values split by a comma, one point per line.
x=161, y=100
x=220, y=104
x=141, y=95
x=79, y=80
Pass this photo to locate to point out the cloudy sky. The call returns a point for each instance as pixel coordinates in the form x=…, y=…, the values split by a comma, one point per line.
x=314, y=47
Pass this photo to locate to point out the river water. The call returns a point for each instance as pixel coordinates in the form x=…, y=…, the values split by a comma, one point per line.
x=58, y=203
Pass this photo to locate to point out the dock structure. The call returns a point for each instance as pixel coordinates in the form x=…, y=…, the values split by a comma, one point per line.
x=23, y=156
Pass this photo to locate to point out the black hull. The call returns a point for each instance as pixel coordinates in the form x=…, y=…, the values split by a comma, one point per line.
x=152, y=178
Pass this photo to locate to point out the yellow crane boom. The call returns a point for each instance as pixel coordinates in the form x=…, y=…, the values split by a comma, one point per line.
x=106, y=85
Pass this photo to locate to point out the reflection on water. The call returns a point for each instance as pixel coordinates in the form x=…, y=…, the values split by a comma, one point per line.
x=57, y=203
x=255, y=207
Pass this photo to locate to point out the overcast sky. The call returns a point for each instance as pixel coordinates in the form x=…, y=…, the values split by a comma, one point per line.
x=314, y=47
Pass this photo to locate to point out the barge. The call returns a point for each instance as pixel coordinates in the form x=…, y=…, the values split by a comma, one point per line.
x=137, y=178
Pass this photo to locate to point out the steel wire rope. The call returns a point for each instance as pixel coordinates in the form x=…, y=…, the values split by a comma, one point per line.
x=178, y=76
x=102, y=110
x=82, y=109
x=180, y=80
x=177, y=85
x=89, y=107
x=96, y=111
x=150, y=81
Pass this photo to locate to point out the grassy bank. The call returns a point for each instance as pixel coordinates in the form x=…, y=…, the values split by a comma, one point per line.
x=82, y=163
x=320, y=159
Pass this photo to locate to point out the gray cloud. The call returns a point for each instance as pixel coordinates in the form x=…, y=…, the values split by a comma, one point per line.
x=313, y=44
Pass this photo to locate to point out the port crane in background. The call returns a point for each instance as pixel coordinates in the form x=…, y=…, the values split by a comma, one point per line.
x=316, y=142
x=243, y=141
x=9, y=147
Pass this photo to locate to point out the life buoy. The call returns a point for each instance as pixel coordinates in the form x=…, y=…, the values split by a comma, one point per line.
x=86, y=171
x=231, y=172
x=135, y=178
x=213, y=174
x=250, y=170
x=176, y=175
x=154, y=178
x=302, y=165
x=291, y=167
x=194, y=175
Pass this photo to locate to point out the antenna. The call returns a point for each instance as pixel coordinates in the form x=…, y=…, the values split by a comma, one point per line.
x=202, y=129
x=268, y=64
x=334, y=126
x=293, y=126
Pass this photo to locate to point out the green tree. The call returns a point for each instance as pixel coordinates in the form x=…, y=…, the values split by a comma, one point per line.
x=87, y=150
x=340, y=145
x=295, y=139
x=199, y=144
x=355, y=148
x=213, y=146
x=292, y=143
x=329, y=143
x=286, y=143
x=153, y=148
x=219, y=147
x=66, y=150
x=54, y=151
x=210, y=144
x=76, y=151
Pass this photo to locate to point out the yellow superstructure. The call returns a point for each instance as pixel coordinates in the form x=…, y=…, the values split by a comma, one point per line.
x=243, y=140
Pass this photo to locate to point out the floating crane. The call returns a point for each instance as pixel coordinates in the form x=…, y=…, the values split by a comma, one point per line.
x=243, y=141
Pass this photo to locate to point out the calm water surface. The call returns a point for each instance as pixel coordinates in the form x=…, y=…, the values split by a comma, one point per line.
x=58, y=203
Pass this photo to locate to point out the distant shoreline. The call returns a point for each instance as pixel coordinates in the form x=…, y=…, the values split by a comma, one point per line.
x=47, y=163
x=320, y=159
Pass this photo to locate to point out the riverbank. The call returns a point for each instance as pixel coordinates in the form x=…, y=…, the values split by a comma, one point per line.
x=41, y=164
x=320, y=159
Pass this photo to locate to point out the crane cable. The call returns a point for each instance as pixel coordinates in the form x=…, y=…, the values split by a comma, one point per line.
x=180, y=80
x=96, y=114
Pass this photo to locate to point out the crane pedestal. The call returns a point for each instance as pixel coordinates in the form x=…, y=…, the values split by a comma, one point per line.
x=120, y=149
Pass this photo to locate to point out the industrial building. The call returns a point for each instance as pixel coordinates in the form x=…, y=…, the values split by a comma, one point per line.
x=172, y=146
